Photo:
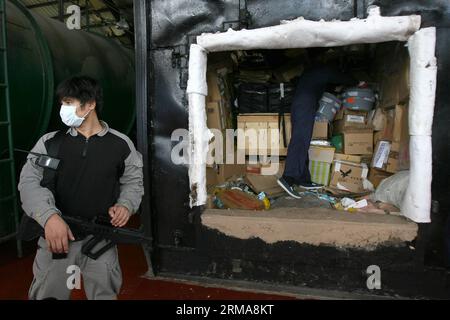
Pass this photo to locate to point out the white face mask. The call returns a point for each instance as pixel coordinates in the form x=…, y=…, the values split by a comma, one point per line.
x=69, y=116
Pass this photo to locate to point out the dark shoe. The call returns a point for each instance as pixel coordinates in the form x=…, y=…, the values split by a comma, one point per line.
x=288, y=188
x=310, y=185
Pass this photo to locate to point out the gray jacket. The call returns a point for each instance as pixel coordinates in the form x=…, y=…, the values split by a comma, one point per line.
x=93, y=173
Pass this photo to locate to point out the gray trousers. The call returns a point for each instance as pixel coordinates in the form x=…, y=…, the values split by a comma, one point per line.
x=55, y=278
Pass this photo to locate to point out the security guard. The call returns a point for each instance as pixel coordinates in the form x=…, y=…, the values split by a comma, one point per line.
x=100, y=172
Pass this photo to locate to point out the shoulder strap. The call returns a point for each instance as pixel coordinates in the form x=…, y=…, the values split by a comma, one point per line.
x=29, y=229
x=53, y=145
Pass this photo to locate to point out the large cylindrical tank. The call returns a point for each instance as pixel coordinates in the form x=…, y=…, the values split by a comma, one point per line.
x=41, y=53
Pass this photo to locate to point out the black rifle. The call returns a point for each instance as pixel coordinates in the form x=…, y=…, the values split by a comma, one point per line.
x=100, y=227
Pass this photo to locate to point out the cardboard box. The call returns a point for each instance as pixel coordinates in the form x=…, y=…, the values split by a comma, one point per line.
x=262, y=123
x=388, y=125
x=381, y=155
x=220, y=173
x=215, y=116
x=400, y=138
x=273, y=169
x=397, y=135
x=352, y=158
x=392, y=164
x=320, y=130
x=320, y=160
x=358, y=141
x=212, y=81
x=393, y=73
x=400, y=131
x=320, y=172
x=219, y=91
x=349, y=119
x=211, y=177
x=377, y=136
x=385, y=158
x=394, y=124
x=348, y=176
x=376, y=176
x=260, y=183
x=322, y=154
x=255, y=133
x=276, y=169
x=395, y=86
x=253, y=168
x=340, y=115
x=378, y=119
x=217, y=80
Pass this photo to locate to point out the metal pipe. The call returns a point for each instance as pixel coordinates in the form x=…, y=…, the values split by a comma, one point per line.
x=61, y=10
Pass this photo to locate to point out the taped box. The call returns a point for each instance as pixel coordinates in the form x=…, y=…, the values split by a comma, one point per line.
x=348, y=176
x=358, y=141
x=220, y=173
x=267, y=184
x=267, y=169
x=263, y=133
x=353, y=158
x=387, y=159
x=395, y=79
x=381, y=155
x=320, y=131
x=376, y=176
x=321, y=153
x=320, y=160
x=349, y=119
x=392, y=126
x=320, y=172
x=255, y=132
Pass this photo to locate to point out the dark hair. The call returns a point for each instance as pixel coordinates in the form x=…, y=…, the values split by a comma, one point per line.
x=82, y=88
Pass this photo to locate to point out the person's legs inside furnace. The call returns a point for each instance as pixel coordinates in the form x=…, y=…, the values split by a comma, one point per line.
x=100, y=174
x=310, y=88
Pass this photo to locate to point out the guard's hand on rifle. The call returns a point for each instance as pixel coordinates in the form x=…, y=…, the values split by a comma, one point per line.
x=119, y=215
x=57, y=234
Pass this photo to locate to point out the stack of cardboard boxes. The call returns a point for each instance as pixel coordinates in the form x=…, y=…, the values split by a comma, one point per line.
x=390, y=120
x=264, y=124
x=378, y=140
x=365, y=145
x=320, y=161
x=391, y=142
x=219, y=117
x=355, y=133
